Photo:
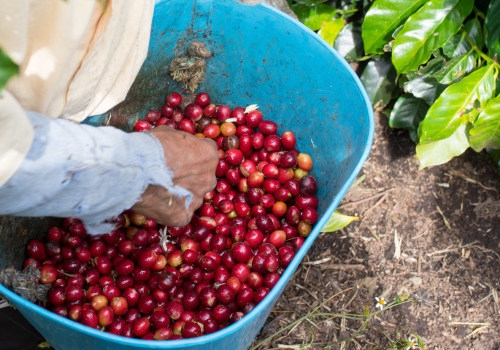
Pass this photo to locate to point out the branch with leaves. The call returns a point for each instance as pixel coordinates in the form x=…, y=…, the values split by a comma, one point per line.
x=445, y=56
x=434, y=62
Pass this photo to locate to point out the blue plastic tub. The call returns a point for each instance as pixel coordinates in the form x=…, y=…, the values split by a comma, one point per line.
x=261, y=56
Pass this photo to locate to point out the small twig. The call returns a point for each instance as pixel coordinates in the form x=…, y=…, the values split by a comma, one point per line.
x=350, y=300
x=342, y=329
x=444, y=217
x=317, y=262
x=397, y=246
x=384, y=197
x=294, y=346
x=468, y=323
x=282, y=311
x=486, y=297
x=358, y=344
x=446, y=222
x=358, y=267
x=307, y=290
x=488, y=250
x=335, y=286
x=375, y=196
x=424, y=231
x=374, y=234
x=291, y=330
x=471, y=180
x=307, y=270
x=495, y=297
x=311, y=322
x=448, y=250
x=66, y=274
x=477, y=330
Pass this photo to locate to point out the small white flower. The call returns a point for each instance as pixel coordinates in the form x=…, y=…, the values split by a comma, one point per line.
x=380, y=303
x=412, y=344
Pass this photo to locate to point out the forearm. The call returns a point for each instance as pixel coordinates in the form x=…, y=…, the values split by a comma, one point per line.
x=86, y=172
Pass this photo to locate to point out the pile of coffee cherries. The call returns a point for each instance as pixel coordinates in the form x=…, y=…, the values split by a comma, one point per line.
x=148, y=281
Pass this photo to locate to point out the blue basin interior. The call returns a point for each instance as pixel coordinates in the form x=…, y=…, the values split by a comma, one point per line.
x=260, y=56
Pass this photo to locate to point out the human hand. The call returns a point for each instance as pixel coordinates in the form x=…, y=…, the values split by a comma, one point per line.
x=193, y=162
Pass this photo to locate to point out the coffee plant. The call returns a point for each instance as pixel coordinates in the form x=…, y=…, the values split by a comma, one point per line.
x=432, y=64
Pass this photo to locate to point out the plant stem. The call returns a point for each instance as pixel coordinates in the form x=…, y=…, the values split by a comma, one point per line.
x=479, y=13
x=481, y=53
x=349, y=11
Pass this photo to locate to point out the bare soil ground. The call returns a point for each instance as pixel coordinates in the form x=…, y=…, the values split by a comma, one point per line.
x=434, y=234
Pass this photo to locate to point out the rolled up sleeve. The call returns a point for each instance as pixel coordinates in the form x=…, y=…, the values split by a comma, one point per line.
x=93, y=173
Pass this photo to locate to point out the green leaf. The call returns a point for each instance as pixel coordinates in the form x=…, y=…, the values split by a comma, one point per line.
x=426, y=30
x=348, y=10
x=440, y=152
x=379, y=79
x=492, y=28
x=432, y=67
x=366, y=5
x=331, y=29
x=7, y=68
x=425, y=87
x=456, y=68
x=383, y=17
x=486, y=130
x=422, y=84
x=338, y=221
x=349, y=43
x=473, y=28
x=316, y=16
x=450, y=110
x=407, y=113
x=458, y=44
x=301, y=11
